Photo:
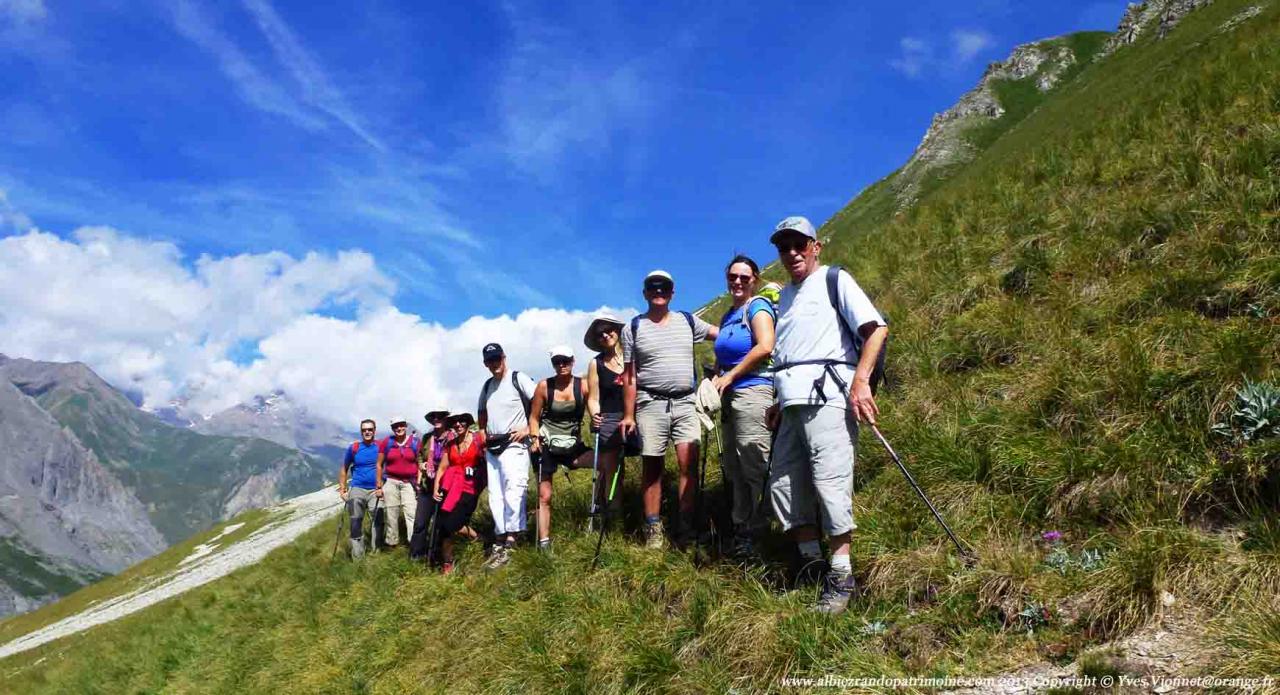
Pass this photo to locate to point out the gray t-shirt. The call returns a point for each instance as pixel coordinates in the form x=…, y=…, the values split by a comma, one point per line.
x=808, y=329
x=664, y=353
x=503, y=403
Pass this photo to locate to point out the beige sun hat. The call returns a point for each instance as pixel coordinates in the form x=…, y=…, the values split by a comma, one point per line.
x=591, y=339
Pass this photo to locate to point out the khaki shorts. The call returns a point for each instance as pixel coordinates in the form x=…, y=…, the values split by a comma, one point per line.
x=663, y=423
x=813, y=468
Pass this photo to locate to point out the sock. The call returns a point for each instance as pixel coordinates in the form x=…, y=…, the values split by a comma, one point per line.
x=841, y=566
x=810, y=550
x=652, y=520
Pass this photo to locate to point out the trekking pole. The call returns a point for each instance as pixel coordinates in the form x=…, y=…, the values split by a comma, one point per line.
x=537, y=490
x=593, y=510
x=338, y=541
x=699, y=515
x=604, y=514
x=894, y=455
x=373, y=526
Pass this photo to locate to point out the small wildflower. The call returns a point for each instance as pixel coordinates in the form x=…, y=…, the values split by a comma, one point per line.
x=1052, y=536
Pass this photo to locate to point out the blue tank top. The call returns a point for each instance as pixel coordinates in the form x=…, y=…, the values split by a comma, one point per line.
x=735, y=341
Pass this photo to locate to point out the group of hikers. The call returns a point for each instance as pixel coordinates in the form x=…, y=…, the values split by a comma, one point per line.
x=794, y=374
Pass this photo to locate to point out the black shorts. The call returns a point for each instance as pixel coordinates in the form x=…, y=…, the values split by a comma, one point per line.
x=551, y=463
x=449, y=522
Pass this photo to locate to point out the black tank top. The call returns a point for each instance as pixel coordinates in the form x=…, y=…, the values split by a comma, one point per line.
x=610, y=388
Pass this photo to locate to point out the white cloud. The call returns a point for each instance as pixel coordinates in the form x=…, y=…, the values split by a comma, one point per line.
x=914, y=55
x=255, y=86
x=966, y=44
x=316, y=87
x=146, y=321
x=917, y=57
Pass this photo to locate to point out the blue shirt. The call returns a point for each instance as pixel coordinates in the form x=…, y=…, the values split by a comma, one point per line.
x=736, y=340
x=363, y=464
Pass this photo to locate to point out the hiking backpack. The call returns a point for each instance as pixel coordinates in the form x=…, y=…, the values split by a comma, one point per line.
x=833, y=295
x=877, y=372
x=525, y=399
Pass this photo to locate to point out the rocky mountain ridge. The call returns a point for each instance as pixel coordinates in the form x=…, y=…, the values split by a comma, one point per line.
x=90, y=484
x=1046, y=64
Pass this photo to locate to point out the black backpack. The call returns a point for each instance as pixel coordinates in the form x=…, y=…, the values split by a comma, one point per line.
x=525, y=399
x=833, y=295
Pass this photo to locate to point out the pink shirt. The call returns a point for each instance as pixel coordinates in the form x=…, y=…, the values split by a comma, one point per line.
x=401, y=460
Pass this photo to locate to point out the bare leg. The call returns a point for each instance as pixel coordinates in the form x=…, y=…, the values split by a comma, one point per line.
x=544, y=508
x=652, y=485
x=686, y=455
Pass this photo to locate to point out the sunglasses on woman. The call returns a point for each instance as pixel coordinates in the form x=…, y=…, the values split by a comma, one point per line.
x=735, y=277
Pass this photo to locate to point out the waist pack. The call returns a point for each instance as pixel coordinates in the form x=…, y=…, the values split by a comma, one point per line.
x=561, y=444
x=498, y=443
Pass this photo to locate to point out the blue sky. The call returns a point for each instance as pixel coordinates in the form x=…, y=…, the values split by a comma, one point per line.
x=213, y=200
x=490, y=156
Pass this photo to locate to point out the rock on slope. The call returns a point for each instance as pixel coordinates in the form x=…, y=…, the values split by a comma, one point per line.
x=64, y=519
x=187, y=480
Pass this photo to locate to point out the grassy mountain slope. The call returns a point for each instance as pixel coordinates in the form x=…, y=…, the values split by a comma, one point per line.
x=185, y=478
x=1072, y=312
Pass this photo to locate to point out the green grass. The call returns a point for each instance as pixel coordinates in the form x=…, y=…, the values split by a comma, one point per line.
x=1071, y=314
x=133, y=578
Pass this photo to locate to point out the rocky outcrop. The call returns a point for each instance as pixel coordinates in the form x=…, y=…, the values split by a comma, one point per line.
x=58, y=501
x=944, y=144
x=1142, y=18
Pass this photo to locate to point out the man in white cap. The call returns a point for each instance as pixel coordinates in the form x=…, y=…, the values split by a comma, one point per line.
x=661, y=379
x=829, y=337
x=505, y=400
x=398, y=459
x=555, y=431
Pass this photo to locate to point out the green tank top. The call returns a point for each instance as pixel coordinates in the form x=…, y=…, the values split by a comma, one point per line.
x=562, y=418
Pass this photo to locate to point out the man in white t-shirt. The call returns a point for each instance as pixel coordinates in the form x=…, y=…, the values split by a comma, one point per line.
x=504, y=418
x=815, y=358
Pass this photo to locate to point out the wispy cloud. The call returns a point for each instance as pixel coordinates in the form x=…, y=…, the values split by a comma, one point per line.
x=918, y=56
x=317, y=89
x=914, y=54
x=23, y=11
x=557, y=96
x=12, y=219
x=966, y=44
x=255, y=86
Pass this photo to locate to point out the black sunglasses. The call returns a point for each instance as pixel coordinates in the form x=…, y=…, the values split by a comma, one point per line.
x=366, y=429
x=793, y=246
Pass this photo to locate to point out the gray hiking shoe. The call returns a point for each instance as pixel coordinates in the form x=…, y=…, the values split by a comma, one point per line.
x=500, y=556
x=744, y=549
x=836, y=592
x=544, y=546
x=653, y=536
x=357, y=548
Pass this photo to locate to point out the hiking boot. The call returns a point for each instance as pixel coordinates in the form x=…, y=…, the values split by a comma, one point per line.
x=501, y=556
x=836, y=592
x=653, y=537
x=357, y=548
x=743, y=549
x=544, y=545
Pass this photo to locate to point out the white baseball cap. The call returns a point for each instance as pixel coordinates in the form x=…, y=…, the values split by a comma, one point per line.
x=795, y=223
x=658, y=275
x=560, y=351
x=397, y=420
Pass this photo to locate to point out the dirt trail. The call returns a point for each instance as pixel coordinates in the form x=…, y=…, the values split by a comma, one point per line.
x=293, y=518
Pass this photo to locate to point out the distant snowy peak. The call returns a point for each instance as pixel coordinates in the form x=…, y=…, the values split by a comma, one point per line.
x=277, y=418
